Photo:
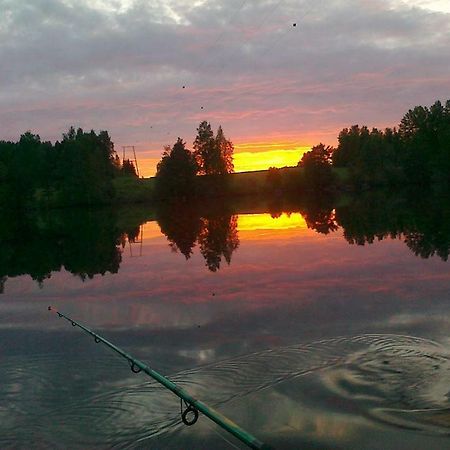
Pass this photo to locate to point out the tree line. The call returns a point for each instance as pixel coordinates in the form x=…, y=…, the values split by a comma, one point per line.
x=87, y=243
x=78, y=170
x=416, y=152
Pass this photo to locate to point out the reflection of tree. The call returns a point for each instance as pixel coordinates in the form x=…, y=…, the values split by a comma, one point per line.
x=321, y=220
x=429, y=235
x=422, y=222
x=85, y=243
x=93, y=248
x=181, y=225
x=218, y=237
x=133, y=233
x=184, y=227
x=319, y=214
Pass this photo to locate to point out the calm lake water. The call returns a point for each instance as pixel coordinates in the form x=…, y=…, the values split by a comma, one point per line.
x=284, y=322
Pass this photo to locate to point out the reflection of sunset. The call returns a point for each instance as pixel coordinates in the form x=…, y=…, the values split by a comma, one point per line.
x=254, y=224
x=151, y=230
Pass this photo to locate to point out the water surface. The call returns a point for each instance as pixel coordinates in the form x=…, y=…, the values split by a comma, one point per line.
x=283, y=321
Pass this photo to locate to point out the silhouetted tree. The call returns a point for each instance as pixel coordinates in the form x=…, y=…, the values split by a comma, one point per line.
x=176, y=172
x=181, y=224
x=417, y=153
x=376, y=216
x=317, y=166
x=205, y=152
x=184, y=227
x=225, y=150
x=214, y=155
x=320, y=217
x=425, y=134
x=84, y=242
x=86, y=167
x=218, y=238
x=128, y=169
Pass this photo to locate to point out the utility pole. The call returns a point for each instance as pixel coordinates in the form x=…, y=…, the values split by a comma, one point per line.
x=133, y=160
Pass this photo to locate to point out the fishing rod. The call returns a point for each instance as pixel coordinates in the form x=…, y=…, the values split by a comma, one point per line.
x=192, y=406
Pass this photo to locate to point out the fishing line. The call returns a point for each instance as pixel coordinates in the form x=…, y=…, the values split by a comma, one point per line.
x=232, y=444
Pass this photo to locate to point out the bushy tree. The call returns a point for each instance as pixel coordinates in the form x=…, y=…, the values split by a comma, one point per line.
x=319, y=155
x=176, y=172
x=128, y=169
x=317, y=166
x=85, y=167
x=425, y=135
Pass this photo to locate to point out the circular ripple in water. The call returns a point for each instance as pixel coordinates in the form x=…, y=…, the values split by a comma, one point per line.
x=396, y=379
x=402, y=381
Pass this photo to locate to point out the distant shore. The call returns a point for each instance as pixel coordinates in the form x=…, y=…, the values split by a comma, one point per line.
x=141, y=190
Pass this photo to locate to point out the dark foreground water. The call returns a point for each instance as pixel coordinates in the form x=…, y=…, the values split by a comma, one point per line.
x=281, y=322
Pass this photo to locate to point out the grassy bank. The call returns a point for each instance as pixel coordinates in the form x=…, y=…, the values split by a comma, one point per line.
x=134, y=190
x=289, y=179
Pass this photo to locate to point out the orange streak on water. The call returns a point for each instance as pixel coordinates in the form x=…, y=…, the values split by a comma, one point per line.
x=264, y=226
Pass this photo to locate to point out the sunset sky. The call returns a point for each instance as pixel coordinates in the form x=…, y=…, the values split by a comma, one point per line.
x=150, y=71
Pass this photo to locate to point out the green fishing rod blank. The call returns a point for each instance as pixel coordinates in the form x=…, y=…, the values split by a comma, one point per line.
x=192, y=406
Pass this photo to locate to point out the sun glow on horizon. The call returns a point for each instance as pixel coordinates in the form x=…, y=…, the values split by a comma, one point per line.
x=263, y=160
x=248, y=157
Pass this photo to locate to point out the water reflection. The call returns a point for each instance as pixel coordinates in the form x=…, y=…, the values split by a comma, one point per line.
x=84, y=243
x=87, y=243
x=387, y=378
x=296, y=299
x=422, y=222
x=216, y=234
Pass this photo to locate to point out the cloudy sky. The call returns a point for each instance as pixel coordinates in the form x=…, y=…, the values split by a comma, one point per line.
x=149, y=71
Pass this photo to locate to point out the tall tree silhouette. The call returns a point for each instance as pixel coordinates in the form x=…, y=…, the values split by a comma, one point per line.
x=181, y=224
x=225, y=151
x=205, y=149
x=214, y=154
x=184, y=227
x=218, y=238
x=176, y=172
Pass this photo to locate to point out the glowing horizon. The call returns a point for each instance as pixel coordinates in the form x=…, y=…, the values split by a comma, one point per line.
x=248, y=157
